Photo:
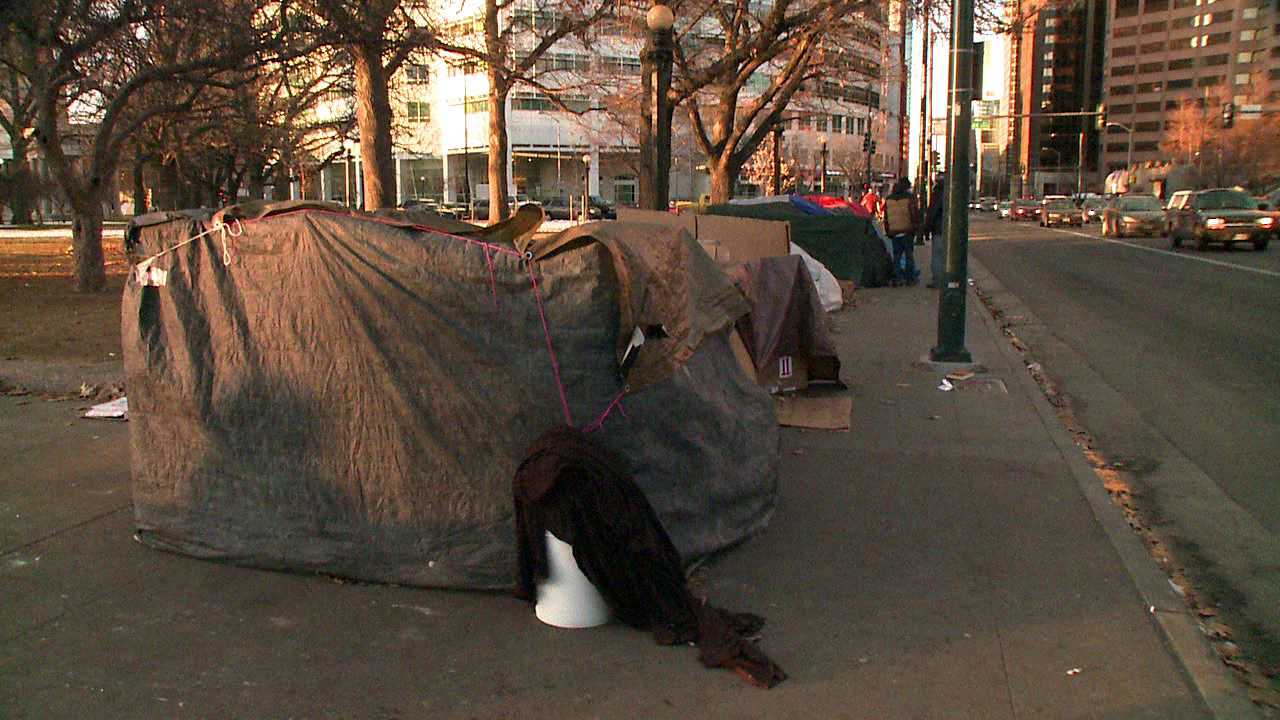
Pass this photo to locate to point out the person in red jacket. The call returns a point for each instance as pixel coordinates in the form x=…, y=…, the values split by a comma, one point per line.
x=871, y=200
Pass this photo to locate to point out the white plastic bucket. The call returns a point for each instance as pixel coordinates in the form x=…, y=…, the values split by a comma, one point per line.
x=567, y=598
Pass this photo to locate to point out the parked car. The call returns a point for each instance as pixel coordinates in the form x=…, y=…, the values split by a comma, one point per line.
x=1058, y=211
x=1024, y=209
x=1003, y=208
x=599, y=208
x=1091, y=209
x=1222, y=216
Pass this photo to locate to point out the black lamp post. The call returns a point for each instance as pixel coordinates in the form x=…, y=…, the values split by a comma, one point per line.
x=660, y=20
x=777, y=159
x=822, y=180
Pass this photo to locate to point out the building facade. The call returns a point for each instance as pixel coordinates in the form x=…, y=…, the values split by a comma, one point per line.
x=441, y=130
x=1163, y=54
x=1055, y=66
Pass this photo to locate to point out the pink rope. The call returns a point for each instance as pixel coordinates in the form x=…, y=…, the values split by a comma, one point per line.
x=617, y=403
x=555, y=364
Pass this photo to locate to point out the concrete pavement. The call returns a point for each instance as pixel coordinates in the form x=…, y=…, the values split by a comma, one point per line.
x=942, y=560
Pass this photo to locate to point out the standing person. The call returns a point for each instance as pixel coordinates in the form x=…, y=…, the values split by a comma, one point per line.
x=901, y=221
x=933, y=221
x=871, y=200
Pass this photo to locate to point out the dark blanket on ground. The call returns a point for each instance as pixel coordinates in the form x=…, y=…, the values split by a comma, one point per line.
x=583, y=494
x=846, y=244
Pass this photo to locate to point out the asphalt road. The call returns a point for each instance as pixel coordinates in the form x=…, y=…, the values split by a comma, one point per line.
x=1188, y=338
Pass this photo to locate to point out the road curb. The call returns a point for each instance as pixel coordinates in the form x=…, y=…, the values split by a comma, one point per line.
x=1220, y=692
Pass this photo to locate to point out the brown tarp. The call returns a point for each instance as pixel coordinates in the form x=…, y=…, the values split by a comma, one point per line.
x=321, y=390
x=786, y=317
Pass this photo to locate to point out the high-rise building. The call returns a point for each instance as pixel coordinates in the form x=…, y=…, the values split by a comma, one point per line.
x=1162, y=54
x=1055, y=66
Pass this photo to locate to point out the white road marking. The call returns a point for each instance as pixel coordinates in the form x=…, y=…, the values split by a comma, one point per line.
x=1184, y=256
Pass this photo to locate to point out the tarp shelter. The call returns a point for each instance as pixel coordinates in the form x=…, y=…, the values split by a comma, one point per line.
x=786, y=331
x=846, y=244
x=316, y=389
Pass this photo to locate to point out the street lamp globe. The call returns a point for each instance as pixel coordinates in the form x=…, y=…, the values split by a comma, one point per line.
x=822, y=139
x=586, y=159
x=660, y=18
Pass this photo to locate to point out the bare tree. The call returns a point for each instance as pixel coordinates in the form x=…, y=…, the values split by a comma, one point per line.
x=380, y=35
x=725, y=46
x=759, y=168
x=17, y=118
x=88, y=64
x=515, y=45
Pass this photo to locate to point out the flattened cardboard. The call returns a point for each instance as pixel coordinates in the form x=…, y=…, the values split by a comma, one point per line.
x=653, y=217
x=745, y=239
x=815, y=409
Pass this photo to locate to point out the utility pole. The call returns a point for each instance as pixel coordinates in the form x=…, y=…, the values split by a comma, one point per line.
x=777, y=160
x=923, y=175
x=1085, y=93
x=954, y=285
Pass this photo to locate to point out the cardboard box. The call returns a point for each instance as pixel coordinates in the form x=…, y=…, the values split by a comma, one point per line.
x=745, y=239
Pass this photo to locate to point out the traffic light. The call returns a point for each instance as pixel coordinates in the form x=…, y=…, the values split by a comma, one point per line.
x=1102, y=116
x=1228, y=115
x=866, y=142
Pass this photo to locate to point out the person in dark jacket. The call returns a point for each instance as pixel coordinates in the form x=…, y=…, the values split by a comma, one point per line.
x=901, y=222
x=933, y=224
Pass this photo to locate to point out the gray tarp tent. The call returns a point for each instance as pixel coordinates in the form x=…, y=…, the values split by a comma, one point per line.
x=319, y=390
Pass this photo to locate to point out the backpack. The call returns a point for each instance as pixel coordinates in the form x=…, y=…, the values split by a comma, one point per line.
x=899, y=216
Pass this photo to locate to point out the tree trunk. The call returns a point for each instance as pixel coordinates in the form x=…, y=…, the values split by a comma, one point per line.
x=723, y=175
x=257, y=183
x=86, y=243
x=498, y=197
x=373, y=115
x=645, y=184
x=139, y=185
x=24, y=194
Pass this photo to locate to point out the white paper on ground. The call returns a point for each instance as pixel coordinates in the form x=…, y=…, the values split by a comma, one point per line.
x=118, y=408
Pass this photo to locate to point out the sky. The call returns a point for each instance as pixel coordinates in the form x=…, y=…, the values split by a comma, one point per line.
x=994, y=83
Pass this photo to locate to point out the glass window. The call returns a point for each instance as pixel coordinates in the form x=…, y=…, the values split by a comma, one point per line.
x=1182, y=64
x=1242, y=78
x=1139, y=203
x=1181, y=84
x=1151, y=67
x=417, y=112
x=1248, y=34
x=1213, y=60
x=1179, y=23
x=1124, y=51
x=1209, y=81
x=1244, y=57
x=1123, y=70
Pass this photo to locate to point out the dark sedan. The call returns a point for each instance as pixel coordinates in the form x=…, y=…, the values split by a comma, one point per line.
x=1024, y=210
x=1221, y=216
x=1059, y=212
x=1130, y=215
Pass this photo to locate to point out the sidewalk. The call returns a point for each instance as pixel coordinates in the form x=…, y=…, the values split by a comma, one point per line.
x=939, y=561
